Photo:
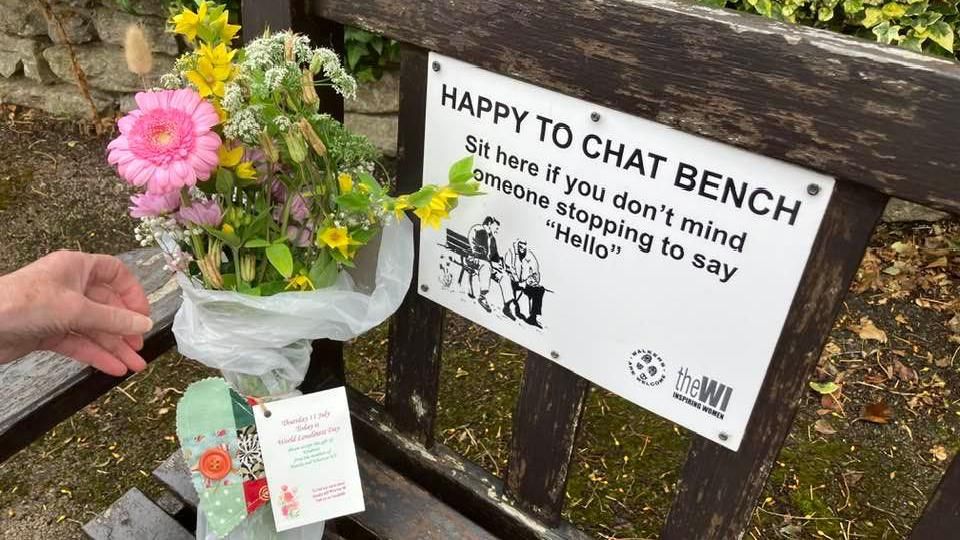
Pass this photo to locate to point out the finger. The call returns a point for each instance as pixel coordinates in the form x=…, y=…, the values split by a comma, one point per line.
x=110, y=271
x=84, y=350
x=120, y=349
x=94, y=317
x=105, y=295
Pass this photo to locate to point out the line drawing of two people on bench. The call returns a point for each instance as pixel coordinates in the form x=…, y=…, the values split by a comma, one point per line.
x=480, y=260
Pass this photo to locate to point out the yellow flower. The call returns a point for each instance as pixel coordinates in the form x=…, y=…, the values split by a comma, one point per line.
x=300, y=282
x=230, y=157
x=221, y=112
x=431, y=214
x=446, y=194
x=401, y=204
x=186, y=22
x=246, y=171
x=227, y=30
x=220, y=56
x=337, y=238
x=214, y=67
x=227, y=228
x=346, y=182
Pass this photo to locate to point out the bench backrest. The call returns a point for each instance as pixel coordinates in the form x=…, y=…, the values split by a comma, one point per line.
x=811, y=97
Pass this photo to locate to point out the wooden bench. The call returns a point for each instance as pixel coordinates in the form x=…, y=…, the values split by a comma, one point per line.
x=44, y=388
x=834, y=111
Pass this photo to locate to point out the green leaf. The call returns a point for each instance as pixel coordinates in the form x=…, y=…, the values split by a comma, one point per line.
x=375, y=188
x=280, y=257
x=893, y=10
x=324, y=271
x=461, y=171
x=422, y=197
x=942, y=34
x=353, y=55
x=824, y=14
x=229, y=239
x=852, y=7
x=256, y=243
x=871, y=17
x=225, y=183
x=887, y=33
x=354, y=201
x=824, y=388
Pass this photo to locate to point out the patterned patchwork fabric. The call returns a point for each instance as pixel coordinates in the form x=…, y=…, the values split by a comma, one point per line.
x=220, y=445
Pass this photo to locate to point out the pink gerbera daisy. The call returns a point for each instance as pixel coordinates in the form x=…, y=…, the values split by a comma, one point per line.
x=167, y=143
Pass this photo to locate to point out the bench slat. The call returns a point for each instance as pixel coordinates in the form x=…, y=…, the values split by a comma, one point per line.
x=416, y=331
x=537, y=472
x=44, y=388
x=135, y=517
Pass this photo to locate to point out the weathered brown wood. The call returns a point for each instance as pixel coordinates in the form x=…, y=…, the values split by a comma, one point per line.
x=460, y=483
x=326, y=361
x=857, y=110
x=135, y=517
x=545, y=425
x=416, y=331
x=941, y=517
x=44, y=388
x=719, y=488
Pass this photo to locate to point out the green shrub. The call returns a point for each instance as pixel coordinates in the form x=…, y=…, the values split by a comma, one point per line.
x=369, y=54
x=918, y=25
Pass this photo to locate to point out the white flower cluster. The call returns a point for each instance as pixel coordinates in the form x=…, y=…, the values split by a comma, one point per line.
x=232, y=98
x=283, y=123
x=329, y=63
x=172, y=81
x=152, y=230
x=244, y=125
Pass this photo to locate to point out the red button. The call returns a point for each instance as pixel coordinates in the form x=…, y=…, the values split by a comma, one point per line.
x=215, y=463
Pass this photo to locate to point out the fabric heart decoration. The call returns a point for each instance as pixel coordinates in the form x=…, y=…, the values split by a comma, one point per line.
x=218, y=438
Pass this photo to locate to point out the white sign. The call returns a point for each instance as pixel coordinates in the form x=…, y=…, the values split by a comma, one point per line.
x=654, y=263
x=309, y=458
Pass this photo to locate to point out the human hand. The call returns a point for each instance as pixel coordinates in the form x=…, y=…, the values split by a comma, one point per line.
x=88, y=307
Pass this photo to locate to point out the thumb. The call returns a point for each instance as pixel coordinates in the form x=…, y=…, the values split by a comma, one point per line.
x=96, y=317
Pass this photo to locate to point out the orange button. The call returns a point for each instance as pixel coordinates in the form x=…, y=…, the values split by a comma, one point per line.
x=215, y=463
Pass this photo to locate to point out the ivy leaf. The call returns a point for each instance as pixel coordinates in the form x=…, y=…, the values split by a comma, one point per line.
x=893, y=10
x=280, y=257
x=887, y=33
x=461, y=171
x=824, y=14
x=871, y=17
x=942, y=34
x=852, y=7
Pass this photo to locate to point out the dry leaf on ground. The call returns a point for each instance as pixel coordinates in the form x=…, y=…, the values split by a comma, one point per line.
x=868, y=331
x=877, y=413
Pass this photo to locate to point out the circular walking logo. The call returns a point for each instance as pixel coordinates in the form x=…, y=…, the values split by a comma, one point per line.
x=647, y=367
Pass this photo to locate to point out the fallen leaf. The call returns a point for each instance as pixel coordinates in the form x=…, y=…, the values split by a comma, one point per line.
x=939, y=453
x=877, y=413
x=904, y=372
x=954, y=324
x=900, y=318
x=824, y=427
x=869, y=331
x=822, y=388
x=938, y=263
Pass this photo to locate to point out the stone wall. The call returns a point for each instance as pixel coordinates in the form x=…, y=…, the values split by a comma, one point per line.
x=35, y=67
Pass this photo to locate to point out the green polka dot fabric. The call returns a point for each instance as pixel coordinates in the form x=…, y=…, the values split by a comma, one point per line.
x=218, y=439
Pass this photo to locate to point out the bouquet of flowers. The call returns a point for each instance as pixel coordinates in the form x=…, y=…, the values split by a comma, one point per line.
x=280, y=223
x=262, y=204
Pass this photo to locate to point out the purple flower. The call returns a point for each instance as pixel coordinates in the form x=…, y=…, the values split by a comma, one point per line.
x=300, y=236
x=203, y=213
x=153, y=205
x=299, y=209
